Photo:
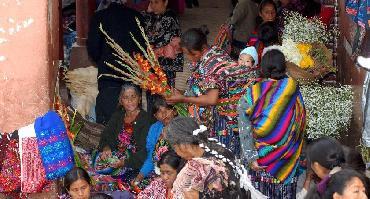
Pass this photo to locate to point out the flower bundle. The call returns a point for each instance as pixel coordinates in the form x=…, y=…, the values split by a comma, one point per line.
x=329, y=109
x=304, y=42
x=141, y=69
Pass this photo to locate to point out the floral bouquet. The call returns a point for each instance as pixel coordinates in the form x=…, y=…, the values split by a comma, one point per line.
x=143, y=70
x=303, y=44
x=329, y=109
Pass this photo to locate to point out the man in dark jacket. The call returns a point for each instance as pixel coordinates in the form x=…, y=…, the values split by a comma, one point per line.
x=118, y=21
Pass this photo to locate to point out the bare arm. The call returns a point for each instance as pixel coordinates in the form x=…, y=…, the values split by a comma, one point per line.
x=209, y=99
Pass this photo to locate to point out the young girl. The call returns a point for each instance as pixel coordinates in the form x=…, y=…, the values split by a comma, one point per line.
x=325, y=157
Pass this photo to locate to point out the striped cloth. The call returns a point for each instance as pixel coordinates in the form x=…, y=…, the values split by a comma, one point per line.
x=278, y=117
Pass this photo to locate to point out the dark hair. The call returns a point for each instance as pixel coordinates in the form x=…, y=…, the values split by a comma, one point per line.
x=195, y=38
x=311, y=8
x=264, y=3
x=172, y=159
x=268, y=33
x=327, y=152
x=100, y=196
x=353, y=159
x=158, y=103
x=273, y=64
x=75, y=174
x=336, y=184
x=180, y=131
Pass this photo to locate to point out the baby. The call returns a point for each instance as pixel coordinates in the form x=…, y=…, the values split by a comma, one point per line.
x=248, y=57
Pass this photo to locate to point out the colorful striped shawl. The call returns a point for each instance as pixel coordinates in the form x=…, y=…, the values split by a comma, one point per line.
x=278, y=117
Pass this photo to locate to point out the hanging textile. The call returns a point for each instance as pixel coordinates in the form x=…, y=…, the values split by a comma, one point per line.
x=359, y=11
x=54, y=145
x=33, y=176
x=10, y=170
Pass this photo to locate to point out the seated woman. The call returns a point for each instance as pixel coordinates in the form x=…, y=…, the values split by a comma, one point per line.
x=160, y=188
x=271, y=125
x=156, y=145
x=210, y=170
x=122, y=148
x=77, y=184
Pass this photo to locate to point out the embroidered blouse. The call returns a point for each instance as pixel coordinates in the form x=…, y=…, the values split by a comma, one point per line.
x=208, y=175
x=157, y=189
x=216, y=70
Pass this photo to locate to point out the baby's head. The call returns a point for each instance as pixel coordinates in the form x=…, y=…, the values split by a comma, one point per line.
x=248, y=57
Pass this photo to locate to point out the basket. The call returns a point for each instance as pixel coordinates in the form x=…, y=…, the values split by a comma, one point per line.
x=89, y=136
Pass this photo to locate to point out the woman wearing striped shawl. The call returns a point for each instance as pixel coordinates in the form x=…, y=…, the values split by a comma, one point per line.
x=271, y=126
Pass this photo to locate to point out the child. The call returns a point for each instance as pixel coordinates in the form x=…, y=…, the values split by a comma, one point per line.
x=248, y=57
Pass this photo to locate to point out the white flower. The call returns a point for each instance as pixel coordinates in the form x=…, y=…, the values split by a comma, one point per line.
x=201, y=145
x=201, y=129
x=329, y=109
x=214, y=152
x=303, y=30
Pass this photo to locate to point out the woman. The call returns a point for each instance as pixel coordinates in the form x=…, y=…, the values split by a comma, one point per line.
x=215, y=86
x=266, y=31
x=267, y=11
x=163, y=30
x=271, y=125
x=156, y=145
x=122, y=144
x=160, y=188
x=345, y=184
x=77, y=183
x=210, y=170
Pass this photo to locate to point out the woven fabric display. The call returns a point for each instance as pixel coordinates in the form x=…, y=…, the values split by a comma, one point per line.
x=10, y=170
x=54, y=145
x=33, y=176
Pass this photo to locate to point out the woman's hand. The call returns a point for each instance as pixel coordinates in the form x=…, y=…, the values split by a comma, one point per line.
x=175, y=97
x=118, y=164
x=256, y=167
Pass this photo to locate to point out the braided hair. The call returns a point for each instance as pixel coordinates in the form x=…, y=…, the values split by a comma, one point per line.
x=185, y=130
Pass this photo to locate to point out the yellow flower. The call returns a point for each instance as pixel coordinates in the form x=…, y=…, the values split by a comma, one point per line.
x=304, y=48
x=306, y=62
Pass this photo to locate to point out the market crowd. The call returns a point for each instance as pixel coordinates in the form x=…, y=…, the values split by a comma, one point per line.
x=244, y=136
